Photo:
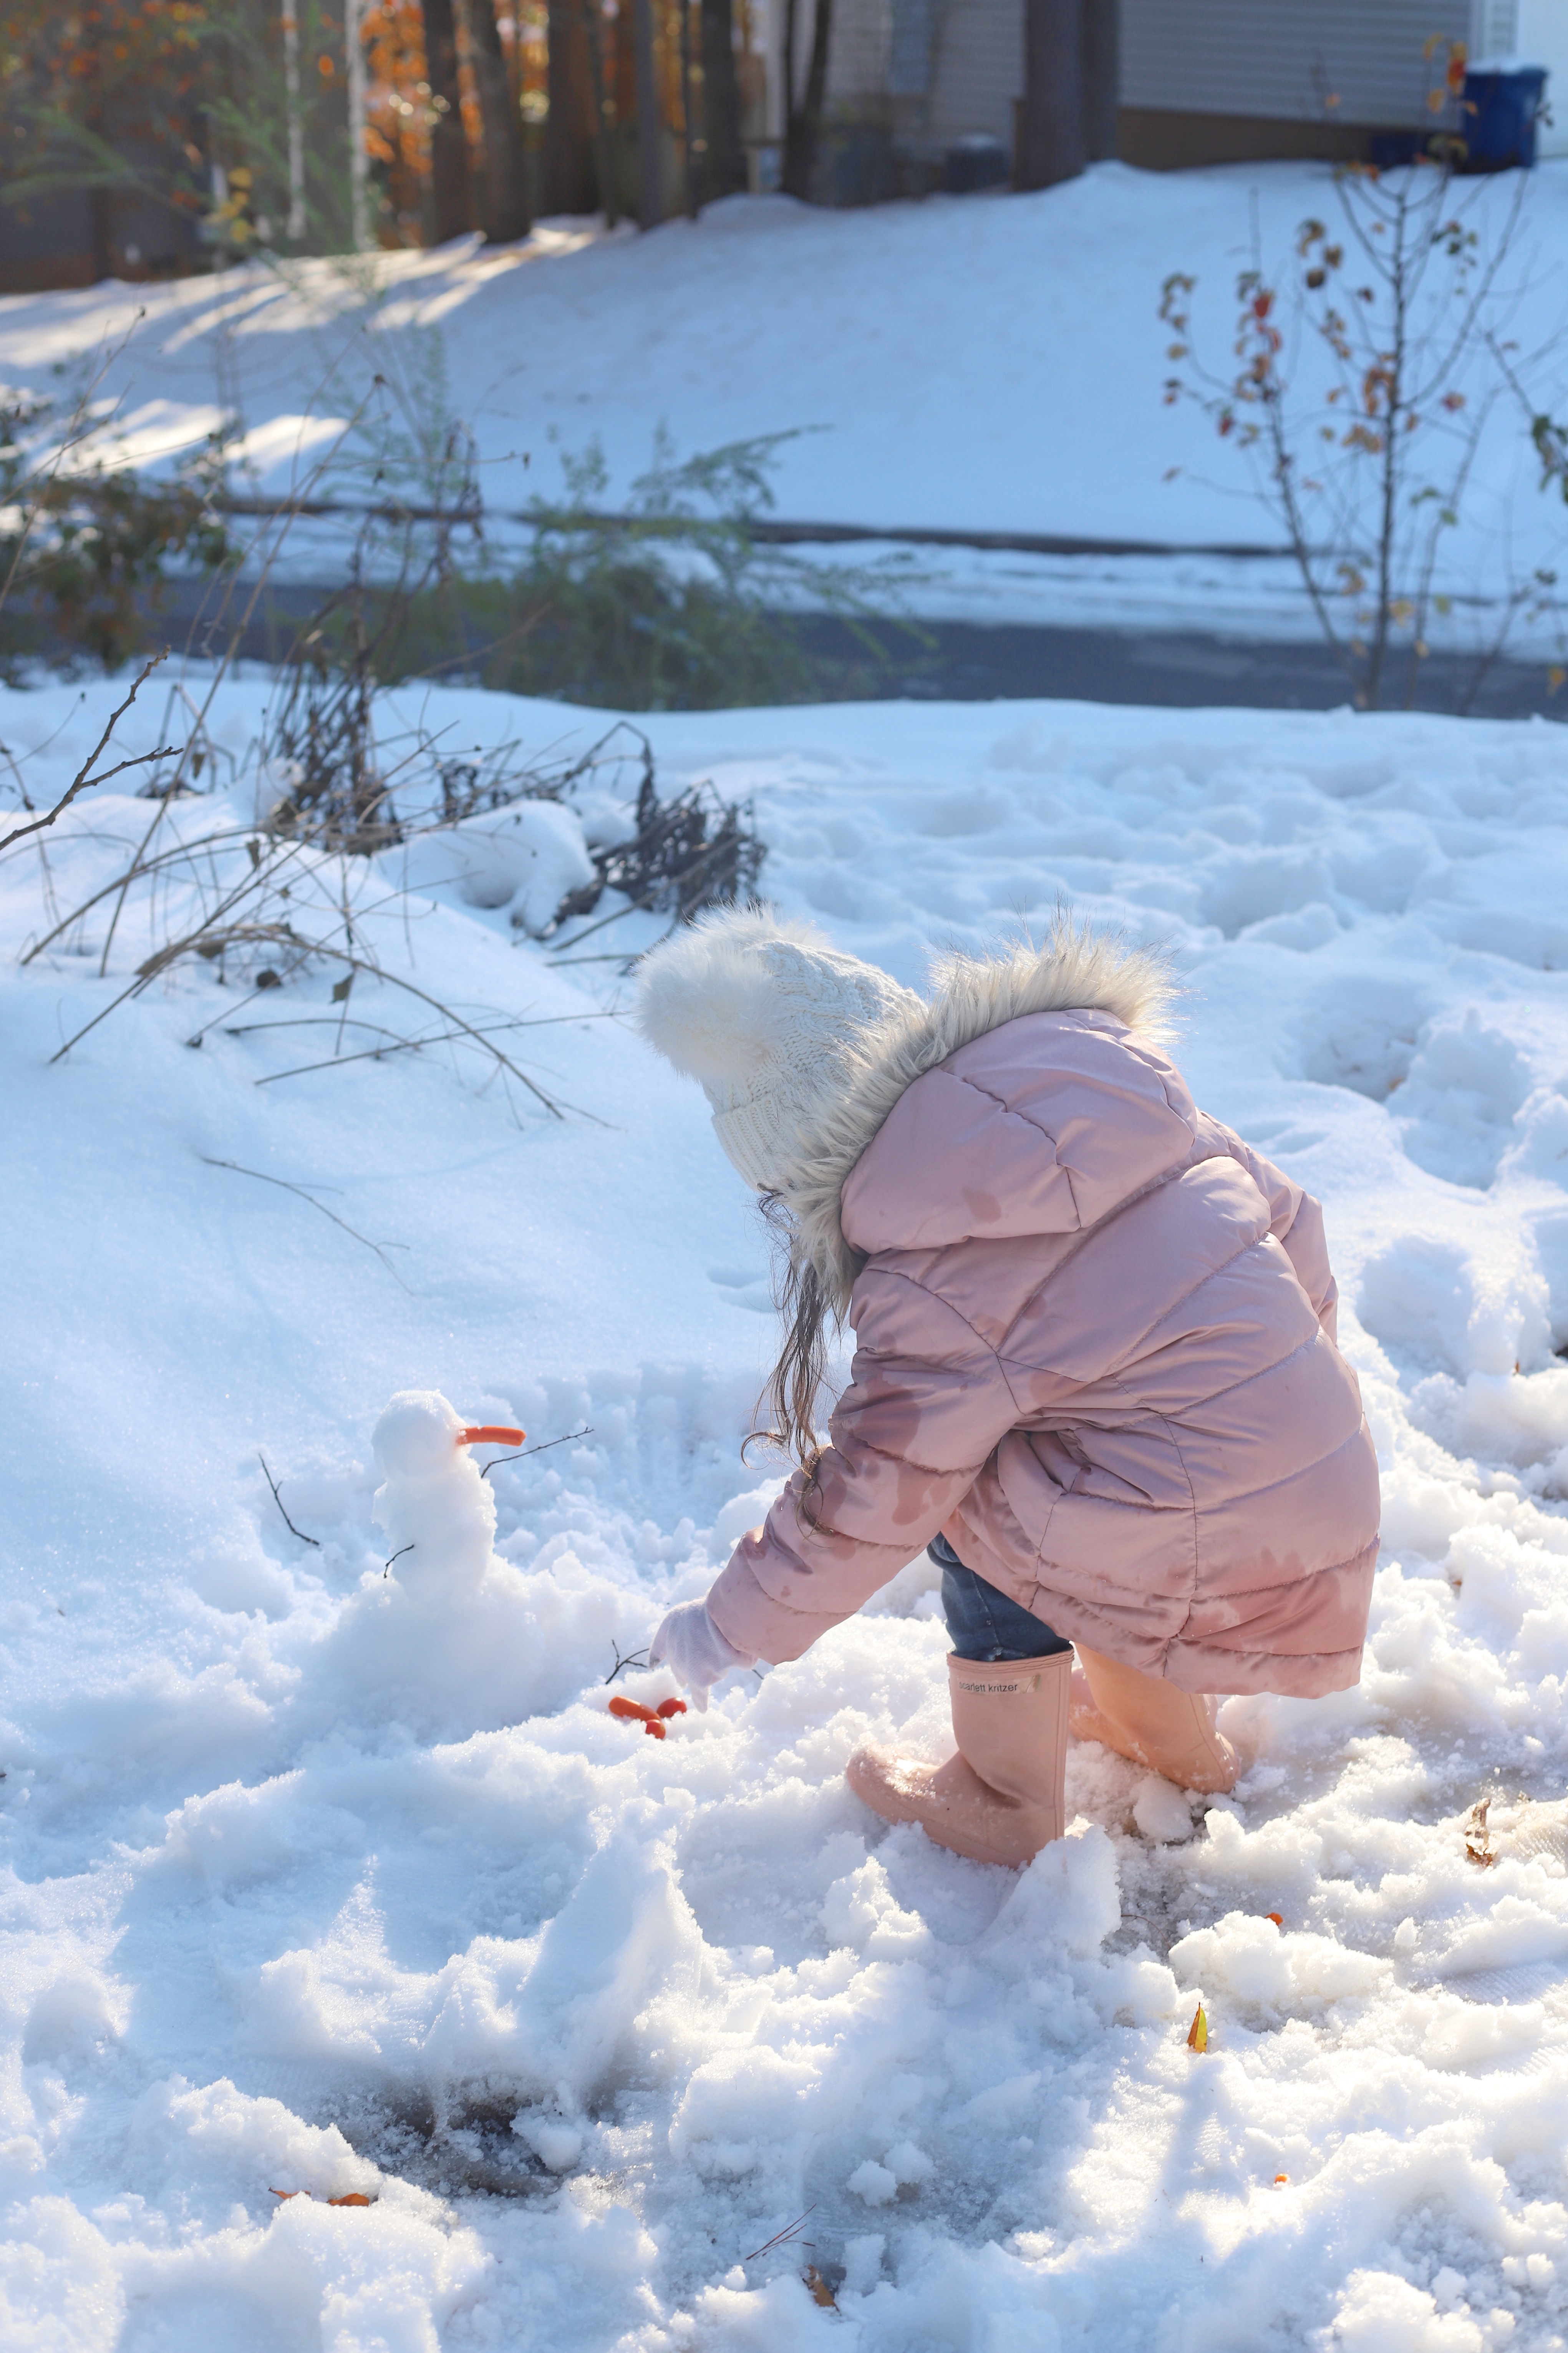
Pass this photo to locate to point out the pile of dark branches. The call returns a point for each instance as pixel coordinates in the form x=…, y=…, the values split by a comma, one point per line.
x=697, y=850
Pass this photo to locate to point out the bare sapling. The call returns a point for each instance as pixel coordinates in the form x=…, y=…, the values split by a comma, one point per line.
x=1364, y=373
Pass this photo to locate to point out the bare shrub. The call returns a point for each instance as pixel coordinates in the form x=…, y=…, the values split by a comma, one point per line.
x=1363, y=374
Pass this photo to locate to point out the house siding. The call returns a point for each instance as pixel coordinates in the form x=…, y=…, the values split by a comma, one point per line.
x=979, y=70
x=1293, y=60
x=934, y=71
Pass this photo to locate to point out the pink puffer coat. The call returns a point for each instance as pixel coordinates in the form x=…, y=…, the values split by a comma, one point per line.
x=1095, y=1348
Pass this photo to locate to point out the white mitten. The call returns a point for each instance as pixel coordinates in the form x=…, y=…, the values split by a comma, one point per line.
x=690, y=1645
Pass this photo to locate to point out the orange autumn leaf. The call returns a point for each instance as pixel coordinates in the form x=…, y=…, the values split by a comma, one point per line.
x=1198, y=2033
x=820, y=2291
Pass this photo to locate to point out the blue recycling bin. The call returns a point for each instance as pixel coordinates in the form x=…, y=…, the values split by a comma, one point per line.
x=1502, y=105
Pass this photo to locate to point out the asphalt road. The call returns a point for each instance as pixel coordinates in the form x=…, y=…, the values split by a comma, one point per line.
x=966, y=661
x=962, y=662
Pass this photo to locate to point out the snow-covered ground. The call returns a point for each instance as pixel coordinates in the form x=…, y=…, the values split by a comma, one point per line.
x=323, y=1876
x=978, y=363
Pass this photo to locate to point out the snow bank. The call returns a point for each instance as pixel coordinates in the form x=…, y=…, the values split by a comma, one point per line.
x=329, y=1871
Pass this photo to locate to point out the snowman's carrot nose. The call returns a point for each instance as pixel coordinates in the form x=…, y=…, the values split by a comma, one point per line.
x=490, y=1433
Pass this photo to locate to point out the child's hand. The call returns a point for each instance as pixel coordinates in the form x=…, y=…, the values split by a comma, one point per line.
x=690, y=1645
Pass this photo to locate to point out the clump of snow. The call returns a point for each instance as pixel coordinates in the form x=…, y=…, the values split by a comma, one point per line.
x=329, y=1870
x=528, y=857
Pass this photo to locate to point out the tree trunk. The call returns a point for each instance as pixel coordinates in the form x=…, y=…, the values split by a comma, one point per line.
x=359, y=229
x=506, y=181
x=294, y=112
x=570, y=183
x=1102, y=77
x=451, y=191
x=1050, y=123
x=803, y=122
x=688, y=118
x=102, y=240
x=650, y=121
x=604, y=142
x=725, y=166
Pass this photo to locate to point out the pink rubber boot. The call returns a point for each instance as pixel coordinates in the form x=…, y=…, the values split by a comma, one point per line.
x=1001, y=1799
x=1140, y=1716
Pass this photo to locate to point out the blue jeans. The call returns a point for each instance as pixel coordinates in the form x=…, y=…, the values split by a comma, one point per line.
x=982, y=1624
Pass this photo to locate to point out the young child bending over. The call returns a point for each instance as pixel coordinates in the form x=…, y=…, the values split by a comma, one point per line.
x=1095, y=1368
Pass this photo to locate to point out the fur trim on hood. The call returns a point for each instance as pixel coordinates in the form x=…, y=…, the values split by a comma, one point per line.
x=1078, y=969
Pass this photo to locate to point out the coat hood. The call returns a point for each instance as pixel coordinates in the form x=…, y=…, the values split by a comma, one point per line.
x=1078, y=969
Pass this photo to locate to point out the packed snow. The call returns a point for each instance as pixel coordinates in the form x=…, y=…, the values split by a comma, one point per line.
x=328, y=1870
x=966, y=364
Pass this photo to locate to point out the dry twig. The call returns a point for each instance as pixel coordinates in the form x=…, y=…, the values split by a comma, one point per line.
x=84, y=776
x=786, y=2237
x=586, y=1432
x=273, y=1484
x=305, y=1195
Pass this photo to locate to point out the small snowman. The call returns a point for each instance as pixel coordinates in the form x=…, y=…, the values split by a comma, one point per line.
x=437, y=1511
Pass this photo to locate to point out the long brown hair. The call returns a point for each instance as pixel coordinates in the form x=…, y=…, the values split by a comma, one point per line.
x=787, y=1410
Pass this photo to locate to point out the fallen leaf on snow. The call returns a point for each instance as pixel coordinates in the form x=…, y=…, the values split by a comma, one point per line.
x=1478, y=1837
x=353, y=2198
x=1198, y=2033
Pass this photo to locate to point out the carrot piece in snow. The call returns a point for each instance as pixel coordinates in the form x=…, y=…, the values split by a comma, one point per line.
x=667, y=1707
x=632, y=1711
x=491, y=1433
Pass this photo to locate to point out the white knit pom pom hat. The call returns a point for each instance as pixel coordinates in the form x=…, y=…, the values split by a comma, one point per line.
x=758, y=1009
